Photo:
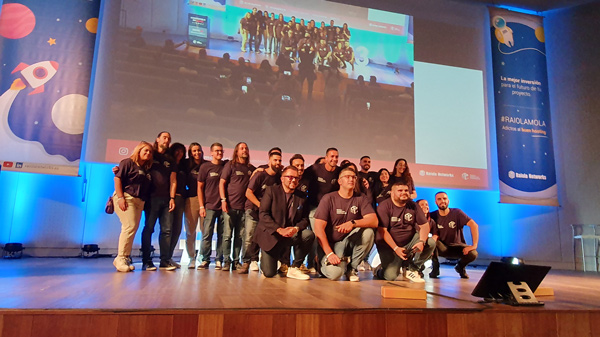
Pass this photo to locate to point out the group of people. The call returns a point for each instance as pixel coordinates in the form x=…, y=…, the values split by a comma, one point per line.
x=297, y=40
x=328, y=215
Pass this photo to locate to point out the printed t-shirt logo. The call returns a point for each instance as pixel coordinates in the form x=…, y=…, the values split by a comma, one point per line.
x=408, y=217
x=452, y=224
x=213, y=174
x=321, y=180
x=440, y=226
x=340, y=211
x=354, y=209
x=264, y=186
x=239, y=173
x=394, y=219
x=166, y=164
x=303, y=188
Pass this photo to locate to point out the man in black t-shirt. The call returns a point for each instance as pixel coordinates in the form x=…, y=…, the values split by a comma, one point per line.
x=322, y=179
x=402, y=236
x=344, y=223
x=160, y=205
x=254, y=193
x=448, y=233
x=210, y=206
x=364, y=173
x=232, y=189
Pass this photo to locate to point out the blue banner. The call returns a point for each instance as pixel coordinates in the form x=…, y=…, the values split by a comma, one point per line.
x=524, y=134
x=46, y=53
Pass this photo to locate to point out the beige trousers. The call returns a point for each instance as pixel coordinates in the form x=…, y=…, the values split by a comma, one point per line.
x=130, y=221
x=191, y=217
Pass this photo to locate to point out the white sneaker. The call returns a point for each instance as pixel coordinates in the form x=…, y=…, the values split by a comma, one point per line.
x=254, y=266
x=120, y=263
x=414, y=276
x=192, y=264
x=297, y=274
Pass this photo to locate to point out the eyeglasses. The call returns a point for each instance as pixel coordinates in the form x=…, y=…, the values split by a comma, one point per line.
x=292, y=178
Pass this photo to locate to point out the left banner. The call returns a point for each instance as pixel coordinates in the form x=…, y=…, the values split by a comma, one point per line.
x=46, y=54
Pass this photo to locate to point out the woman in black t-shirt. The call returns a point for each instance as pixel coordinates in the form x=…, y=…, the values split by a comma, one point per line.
x=177, y=153
x=402, y=174
x=132, y=186
x=382, y=188
x=192, y=208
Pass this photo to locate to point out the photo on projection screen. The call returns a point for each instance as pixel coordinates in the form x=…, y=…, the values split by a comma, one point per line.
x=164, y=70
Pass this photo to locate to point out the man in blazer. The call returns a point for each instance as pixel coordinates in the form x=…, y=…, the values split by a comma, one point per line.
x=283, y=222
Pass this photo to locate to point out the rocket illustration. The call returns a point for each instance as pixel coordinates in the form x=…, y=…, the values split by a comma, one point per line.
x=36, y=75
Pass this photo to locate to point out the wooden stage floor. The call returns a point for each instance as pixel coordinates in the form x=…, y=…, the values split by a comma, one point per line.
x=50, y=296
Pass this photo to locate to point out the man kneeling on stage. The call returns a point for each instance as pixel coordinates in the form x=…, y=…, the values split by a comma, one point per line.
x=402, y=236
x=344, y=224
x=283, y=222
x=449, y=237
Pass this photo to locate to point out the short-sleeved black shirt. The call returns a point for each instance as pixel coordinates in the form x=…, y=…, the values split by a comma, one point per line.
x=336, y=210
x=449, y=228
x=237, y=176
x=134, y=180
x=321, y=182
x=161, y=169
x=210, y=175
x=258, y=184
x=401, y=222
x=192, y=179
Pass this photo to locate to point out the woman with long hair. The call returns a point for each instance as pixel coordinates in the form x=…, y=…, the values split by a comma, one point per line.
x=192, y=207
x=177, y=154
x=132, y=186
x=402, y=174
x=382, y=188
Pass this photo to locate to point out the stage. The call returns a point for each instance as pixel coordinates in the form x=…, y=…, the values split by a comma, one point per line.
x=86, y=297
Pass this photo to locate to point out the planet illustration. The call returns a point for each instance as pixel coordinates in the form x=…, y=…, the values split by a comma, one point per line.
x=16, y=21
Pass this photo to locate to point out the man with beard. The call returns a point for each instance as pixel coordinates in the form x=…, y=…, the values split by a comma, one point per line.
x=254, y=193
x=364, y=173
x=344, y=223
x=450, y=241
x=161, y=205
x=210, y=206
x=232, y=189
x=402, y=236
x=322, y=179
x=283, y=222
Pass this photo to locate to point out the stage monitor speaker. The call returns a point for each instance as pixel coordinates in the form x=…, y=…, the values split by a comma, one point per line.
x=495, y=284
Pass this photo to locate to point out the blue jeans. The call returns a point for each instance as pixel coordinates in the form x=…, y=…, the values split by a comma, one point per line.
x=250, y=249
x=157, y=208
x=391, y=262
x=356, y=246
x=232, y=231
x=212, y=216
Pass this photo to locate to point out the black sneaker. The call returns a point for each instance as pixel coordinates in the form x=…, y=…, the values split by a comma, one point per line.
x=462, y=272
x=166, y=266
x=226, y=266
x=148, y=266
x=377, y=273
x=434, y=273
